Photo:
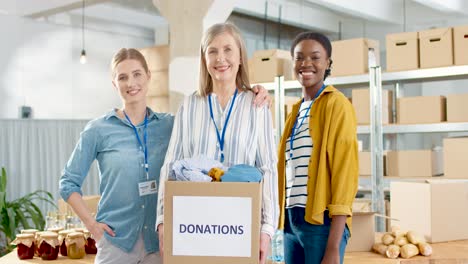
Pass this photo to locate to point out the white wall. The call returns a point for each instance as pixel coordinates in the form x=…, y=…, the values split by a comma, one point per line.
x=39, y=67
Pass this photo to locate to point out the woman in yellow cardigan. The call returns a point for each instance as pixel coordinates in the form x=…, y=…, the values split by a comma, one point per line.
x=318, y=161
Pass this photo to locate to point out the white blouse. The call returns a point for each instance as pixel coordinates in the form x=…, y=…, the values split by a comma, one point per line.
x=249, y=140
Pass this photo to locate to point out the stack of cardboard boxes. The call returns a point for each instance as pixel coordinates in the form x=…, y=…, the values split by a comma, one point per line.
x=432, y=48
x=437, y=209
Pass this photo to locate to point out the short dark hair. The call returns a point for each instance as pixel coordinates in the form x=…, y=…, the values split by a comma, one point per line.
x=320, y=38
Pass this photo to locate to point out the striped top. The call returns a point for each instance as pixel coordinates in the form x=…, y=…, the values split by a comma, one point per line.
x=249, y=140
x=296, y=184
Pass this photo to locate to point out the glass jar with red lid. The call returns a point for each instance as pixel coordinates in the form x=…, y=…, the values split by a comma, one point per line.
x=90, y=246
x=36, y=240
x=48, y=246
x=25, y=246
x=33, y=232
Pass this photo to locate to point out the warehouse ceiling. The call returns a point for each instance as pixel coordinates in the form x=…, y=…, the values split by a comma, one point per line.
x=143, y=13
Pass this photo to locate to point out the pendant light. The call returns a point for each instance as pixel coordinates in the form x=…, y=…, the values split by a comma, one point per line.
x=83, y=51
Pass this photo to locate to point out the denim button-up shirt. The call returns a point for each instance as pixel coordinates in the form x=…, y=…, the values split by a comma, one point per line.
x=113, y=143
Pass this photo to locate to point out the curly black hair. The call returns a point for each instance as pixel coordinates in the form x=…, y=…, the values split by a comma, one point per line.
x=320, y=38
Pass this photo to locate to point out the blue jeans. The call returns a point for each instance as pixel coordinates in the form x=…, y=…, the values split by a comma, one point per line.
x=306, y=243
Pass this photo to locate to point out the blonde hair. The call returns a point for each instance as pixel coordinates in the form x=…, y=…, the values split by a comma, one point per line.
x=128, y=54
x=242, y=78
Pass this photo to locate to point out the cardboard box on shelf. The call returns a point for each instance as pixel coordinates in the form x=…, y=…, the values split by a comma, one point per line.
x=402, y=51
x=415, y=163
x=436, y=47
x=363, y=232
x=361, y=103
x=421, y=109
x=460, y=45
x=437, y=209
x=350, y=57
x=225, y=214
x=265, y=65
x=91, y=201
x=157, y=57
x=365, y=163
x=159, y=83
x=456, y=157
x=457, y=110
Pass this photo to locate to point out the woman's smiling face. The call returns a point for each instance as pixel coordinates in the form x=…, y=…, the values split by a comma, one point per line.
x=310, y=62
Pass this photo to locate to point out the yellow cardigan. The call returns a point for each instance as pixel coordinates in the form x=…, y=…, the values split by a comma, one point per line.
x=333, y=167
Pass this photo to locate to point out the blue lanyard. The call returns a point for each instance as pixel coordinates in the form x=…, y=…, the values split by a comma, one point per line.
x=221, y=137
x=145, y=148
x=291, y=141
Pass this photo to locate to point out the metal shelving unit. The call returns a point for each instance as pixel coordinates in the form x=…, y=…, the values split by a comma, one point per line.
x=418, y=128
x=433, y=74
x=376, y=130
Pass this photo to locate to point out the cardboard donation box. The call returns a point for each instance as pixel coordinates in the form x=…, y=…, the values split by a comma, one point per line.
x=460, y=45
x=456, y=157
x=211, y=223
x=402, y=51
x=350, y=57
x=265, y=65
x=437, y=209
x=363, y=236
x=421, y=109
x=436, y=47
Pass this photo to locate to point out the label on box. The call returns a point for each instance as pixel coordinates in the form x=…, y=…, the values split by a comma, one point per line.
x=223, y=228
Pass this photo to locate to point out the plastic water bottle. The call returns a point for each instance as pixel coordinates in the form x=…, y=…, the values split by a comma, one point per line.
x=277, y=251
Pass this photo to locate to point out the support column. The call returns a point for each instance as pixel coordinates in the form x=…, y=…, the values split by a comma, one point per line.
x=188, y=20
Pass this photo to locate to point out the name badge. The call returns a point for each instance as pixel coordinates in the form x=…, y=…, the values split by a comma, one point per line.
x=147, y=187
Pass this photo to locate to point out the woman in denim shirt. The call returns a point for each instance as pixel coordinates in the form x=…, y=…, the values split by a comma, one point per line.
x=129, y=145
x=124, y=224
